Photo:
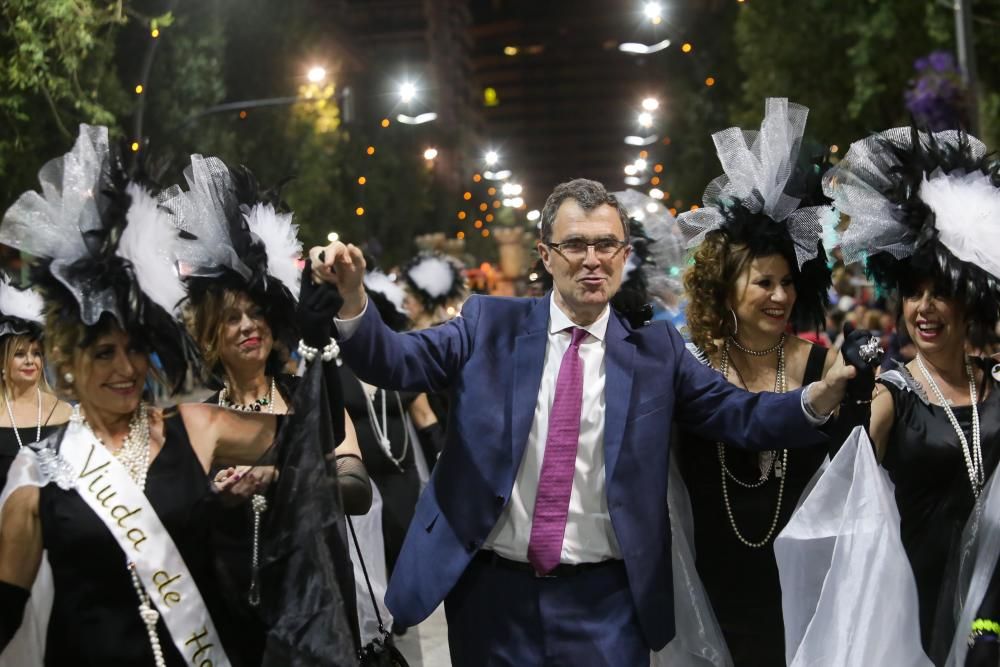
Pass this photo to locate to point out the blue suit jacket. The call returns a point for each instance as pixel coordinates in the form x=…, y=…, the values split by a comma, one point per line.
x=490, y=361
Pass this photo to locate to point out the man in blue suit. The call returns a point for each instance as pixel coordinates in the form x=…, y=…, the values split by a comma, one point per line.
x=544, y=528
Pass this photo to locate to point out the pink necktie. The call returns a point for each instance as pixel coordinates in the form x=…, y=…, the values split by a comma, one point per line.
x=559, y=462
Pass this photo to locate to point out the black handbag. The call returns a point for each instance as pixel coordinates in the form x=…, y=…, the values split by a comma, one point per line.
x=381, y=651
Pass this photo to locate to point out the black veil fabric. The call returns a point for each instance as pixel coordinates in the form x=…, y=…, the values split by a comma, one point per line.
x=306, y=576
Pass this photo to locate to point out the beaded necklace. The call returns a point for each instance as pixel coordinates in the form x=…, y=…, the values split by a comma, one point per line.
x=10, y=413
x=780, y=466
x=973, y=454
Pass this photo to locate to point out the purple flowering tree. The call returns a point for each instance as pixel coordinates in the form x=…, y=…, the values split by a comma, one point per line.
x=936, y=96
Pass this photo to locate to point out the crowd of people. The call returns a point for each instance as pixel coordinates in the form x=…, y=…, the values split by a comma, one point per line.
x=216, y=449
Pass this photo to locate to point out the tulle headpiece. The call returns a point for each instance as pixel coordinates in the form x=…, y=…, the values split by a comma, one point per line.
x=923, y=202
x=233, y=237
x=102, y=248
x=770, y=198
x=20, y=310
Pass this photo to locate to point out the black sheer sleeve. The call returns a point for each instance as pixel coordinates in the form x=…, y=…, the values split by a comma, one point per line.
x=355, y=485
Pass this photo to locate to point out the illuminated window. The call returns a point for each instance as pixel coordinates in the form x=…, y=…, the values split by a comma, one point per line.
x=490, y=97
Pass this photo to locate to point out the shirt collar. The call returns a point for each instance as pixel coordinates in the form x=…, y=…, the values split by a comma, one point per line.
x=560, y=321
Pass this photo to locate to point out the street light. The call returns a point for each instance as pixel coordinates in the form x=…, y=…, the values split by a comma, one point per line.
x=645, y=119
x=316, y=74
x=491, y=158
x=653, y=12
x=633, y=140
x=643, y=49
x=430, y=154
x=651, y=104
x=407, y=91
x=416, y=120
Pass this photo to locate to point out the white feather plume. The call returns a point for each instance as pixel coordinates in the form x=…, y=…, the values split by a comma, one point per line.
x=376, y=281
x=148, y=242
x=434, y=276
x=23, y=304
x=967, y=216
x=281, y=242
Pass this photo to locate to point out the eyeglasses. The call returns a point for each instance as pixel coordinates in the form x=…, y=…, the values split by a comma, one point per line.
x=576, y=249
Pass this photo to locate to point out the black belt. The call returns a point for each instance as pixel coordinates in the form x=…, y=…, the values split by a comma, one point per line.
x=493, y=559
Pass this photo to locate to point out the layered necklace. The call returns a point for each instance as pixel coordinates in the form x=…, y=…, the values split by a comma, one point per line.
x=10, y=413
x=258, y=503
x=381, y=427
x=256, y=405
x=769, y=460
x=973, y=454
x=134, y=456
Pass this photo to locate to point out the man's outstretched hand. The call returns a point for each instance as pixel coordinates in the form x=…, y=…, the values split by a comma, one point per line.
x=343, y=266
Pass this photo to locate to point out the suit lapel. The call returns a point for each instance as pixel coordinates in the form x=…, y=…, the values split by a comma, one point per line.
x=529, y=358
x=619, y=364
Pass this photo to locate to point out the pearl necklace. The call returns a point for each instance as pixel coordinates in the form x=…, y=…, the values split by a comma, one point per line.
x=758, y=353
x=780, y=466
x=381, y=428
x=134, y=456
x=973, y=455
x=253, y=406
x=10, y=413
x=258, y=503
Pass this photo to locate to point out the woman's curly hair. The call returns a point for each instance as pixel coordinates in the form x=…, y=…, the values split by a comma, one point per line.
x=708, y=282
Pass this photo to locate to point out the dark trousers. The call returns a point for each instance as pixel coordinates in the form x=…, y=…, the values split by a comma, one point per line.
x=500, y=617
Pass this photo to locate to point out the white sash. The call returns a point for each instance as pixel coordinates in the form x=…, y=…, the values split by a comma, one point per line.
x=106, y=487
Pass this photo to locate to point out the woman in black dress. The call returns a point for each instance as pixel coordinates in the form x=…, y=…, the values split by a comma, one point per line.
x=107, y=314
x=749, y=280
x=924, y=210
x=31, y=411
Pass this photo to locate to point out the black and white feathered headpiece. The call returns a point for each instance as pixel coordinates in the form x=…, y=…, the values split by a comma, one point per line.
x=21, y=311
x=388, y=297
x=923, y=205
x=435, y=279
x=770, y=198
x=232, y=239
x=102, y=249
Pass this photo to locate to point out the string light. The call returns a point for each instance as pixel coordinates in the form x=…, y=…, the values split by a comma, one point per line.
x=460, y=235
x=486, y=233
x=359, y=211
x=370, y=150
x=135, y=146
x=154, y=33
x=138, y=89
x=362, y=180
x=478, y=224
x=686, y=47
x=462, y=215
x=385, y=122
x=476, y=178
x=243, y=115
x=467, y=196
x=483, y=207
x=710, y=81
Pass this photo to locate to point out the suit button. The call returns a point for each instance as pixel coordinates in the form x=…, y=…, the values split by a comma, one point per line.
x=500, y=500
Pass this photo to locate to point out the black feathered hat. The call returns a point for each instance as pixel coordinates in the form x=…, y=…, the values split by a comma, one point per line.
x=236, y=237
x=102, y=252
x=924, y=205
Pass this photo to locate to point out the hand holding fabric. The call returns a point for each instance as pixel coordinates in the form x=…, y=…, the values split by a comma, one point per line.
x=318, y=305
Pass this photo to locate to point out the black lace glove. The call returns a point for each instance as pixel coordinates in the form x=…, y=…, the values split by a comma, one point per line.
x=861, y=350
x=318, y=305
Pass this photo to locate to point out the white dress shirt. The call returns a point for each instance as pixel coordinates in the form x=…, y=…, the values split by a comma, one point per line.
x=589, y=536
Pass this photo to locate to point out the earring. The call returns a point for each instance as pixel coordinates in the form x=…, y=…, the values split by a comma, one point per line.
x=736, y=322
x=68, y=377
